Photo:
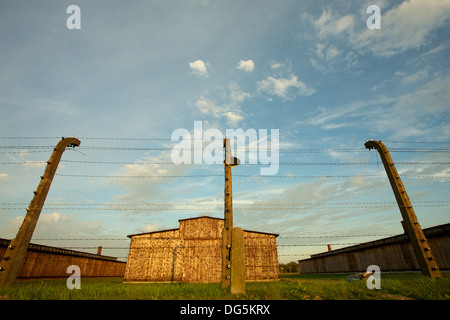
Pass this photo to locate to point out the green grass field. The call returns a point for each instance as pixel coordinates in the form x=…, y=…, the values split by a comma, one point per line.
x=291, y=287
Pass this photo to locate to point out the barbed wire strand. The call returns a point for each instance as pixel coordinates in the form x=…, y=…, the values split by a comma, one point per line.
x=243, y=164
x=221, y=209
x=221, y=203
x=280, y=237
x=242, y=176
x=281, y=150
x=167, y=139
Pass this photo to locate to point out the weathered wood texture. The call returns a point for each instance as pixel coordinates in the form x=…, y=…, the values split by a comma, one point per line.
x=423, y=251
x=390, y=254
x=237, y=261
x=193, y=253
x=16, y=252
x=51, y=262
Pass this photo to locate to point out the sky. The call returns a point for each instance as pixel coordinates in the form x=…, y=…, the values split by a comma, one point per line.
x=134, y=73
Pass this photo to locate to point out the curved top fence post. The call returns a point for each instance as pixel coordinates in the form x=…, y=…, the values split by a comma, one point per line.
x=14, y=256
x=425, y=258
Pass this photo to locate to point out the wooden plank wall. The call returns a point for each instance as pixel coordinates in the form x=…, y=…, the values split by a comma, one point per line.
x=261, y=257
x=202, y=250
x=390, y=257
x=193, y=254
x=53, y=265
x=202, y=261
x=154, y=257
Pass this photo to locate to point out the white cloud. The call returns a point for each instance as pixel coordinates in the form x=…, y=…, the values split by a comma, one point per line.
x=433, y=51
x=431, y=98
x=340, y=116
x=233, y=118
x=275, y=66
x=407, y=26
x=230, y=112
x=138, y=190
x=208, y=107
x=331, y=53
x=281, y=87
x=325, y=56
x=149, y=228
x=52, y=218
x=34, y=164
x=420, y=75
x=328, y=24
x=236, y=95
x=247, y=66
x=319, y=50
x=199, y=68
x=60, y=225
x=16, y=223
x=426, y=104
x=344, y=23
x=229, y=109
x=316, y=218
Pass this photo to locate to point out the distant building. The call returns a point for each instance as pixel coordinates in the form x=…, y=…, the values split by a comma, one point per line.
x=193, y=253
x=390, y=254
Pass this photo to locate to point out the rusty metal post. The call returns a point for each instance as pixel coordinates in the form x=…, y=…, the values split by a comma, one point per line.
x=425, y=258
x=228, y=225
x=14, y=256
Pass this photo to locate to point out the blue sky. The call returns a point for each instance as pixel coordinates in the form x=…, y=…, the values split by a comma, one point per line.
x=311, y=69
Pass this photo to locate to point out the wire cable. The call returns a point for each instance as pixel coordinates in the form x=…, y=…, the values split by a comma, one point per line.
x=242, y=164
x=242, y=176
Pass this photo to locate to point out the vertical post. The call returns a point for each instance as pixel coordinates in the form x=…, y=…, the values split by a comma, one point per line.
x=14, y=256
x=228, y=225
x=425, y=258
x=237, y=261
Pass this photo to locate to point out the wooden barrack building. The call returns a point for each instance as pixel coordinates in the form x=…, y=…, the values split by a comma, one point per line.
x=390, y=254
x=193, y=253
x=52, y=262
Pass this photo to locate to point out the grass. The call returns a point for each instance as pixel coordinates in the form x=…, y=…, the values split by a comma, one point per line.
x=291, y=287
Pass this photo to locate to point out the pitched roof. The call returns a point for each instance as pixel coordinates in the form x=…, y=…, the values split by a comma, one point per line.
x=193, y=218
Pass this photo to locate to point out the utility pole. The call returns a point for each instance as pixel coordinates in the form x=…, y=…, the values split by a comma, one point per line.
x=233, y=255
x=14, y=256
x=228, y=223
x=425, y=258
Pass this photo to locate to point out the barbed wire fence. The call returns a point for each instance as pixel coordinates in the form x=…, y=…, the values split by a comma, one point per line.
x=9, y=151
